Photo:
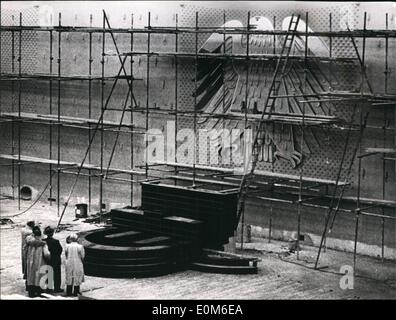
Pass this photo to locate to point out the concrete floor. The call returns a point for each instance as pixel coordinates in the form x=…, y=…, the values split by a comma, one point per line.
x=280, y=276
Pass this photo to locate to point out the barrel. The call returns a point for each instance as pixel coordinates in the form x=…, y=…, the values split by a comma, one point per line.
x=81, y=210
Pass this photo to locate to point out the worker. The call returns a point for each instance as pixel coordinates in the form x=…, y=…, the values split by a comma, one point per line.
x=55, y=250
x=75, y=254
x=25, y=232
x=34, y=261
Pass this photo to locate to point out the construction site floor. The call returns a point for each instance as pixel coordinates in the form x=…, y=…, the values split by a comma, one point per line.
x=281, y=275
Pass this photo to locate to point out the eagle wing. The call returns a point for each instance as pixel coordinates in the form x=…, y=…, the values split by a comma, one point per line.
x=216, y=76
x=316, y=45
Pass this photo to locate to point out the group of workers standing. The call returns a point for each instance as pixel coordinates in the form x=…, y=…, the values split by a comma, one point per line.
x=42, y=261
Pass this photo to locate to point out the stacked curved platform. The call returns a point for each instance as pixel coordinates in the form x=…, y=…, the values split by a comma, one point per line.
x=167, y=234
x=221, y=262
x=132, y=256
x=216, y=210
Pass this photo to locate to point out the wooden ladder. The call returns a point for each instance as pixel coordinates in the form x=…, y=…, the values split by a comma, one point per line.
x=266, y=114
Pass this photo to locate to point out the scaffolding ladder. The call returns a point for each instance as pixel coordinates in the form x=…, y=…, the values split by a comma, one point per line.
x=266, y=115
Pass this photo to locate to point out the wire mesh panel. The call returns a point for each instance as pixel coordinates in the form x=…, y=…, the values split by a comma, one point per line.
x=29, y=39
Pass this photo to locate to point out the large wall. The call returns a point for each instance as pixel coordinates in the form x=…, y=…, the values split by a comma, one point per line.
x=322, y=162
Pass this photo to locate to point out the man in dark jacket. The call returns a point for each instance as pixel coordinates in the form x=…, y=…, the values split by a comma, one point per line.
x=55, y=261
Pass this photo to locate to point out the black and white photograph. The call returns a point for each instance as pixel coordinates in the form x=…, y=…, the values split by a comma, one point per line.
x=211, y=152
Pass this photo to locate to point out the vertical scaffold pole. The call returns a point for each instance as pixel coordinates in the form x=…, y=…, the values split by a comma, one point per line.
x=0, y=92
x=271, y=213
x=302, y=141
x=131, y=113
x=195, y=100
x=246, y=108
x=224, y=77
x=330, y=50
x=51, y=58
x=330, y=84
x=0, y=88
x=147, y=90
x=102, y=111
x=12, y=109
x=384, y=141
x=90, y=61
x=358, y=210
x=59, y=106
x=176, y=90
x=19, y=108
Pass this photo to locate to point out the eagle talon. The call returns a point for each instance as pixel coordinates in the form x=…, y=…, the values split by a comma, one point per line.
x=295, y=158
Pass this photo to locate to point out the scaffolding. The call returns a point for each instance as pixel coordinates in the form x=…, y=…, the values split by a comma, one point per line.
x=265, y=185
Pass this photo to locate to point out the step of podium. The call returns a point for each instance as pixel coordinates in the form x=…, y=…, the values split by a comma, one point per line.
x=216, y=268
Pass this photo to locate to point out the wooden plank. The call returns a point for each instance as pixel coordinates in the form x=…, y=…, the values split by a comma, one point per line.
x=35, y=159
x=297, y=178
x=388, y=203
x=293, y=118
x=67, y=163
x=64, y=119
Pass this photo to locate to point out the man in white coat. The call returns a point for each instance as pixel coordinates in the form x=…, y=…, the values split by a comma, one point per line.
x=34, y=262
x=25, y=232
x=75, y=254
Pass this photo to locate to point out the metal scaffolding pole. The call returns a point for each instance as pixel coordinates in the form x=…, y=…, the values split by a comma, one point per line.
x=246, y=106
x=224, y=77
x=386, y=72
x=59, y=107
x=271, y=213
x=19, y=108
x=330, y=88
x=147, y=90
x=131, y=114
x=51, y=58
x=101, y=127
x=176, y=92
x=330, y=51
x=90, y=61
x=195, y=101
x=302, y=144
x=357, y=33
x=12, y=108
x=1, y=95
x=358, y=208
